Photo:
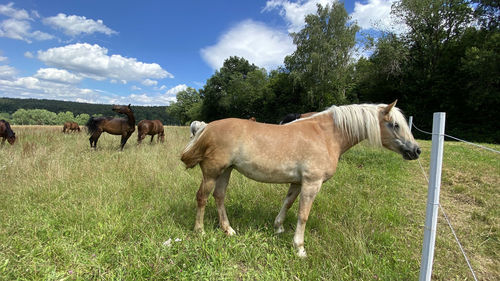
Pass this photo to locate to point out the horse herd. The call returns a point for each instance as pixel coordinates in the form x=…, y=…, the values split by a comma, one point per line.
x=303, y=151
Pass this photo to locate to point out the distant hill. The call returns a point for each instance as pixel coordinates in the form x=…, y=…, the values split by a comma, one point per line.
x=10, y=105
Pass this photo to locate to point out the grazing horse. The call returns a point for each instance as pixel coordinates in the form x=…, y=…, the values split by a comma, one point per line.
x=294, y=116
x=70, y=126
x=6, y=132
x=115, y=126
x=150, y=127
x=196, y=126
x=303, y=153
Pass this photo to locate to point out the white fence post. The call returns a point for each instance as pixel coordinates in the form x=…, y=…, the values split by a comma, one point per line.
x=433, y=196
x=410, y=122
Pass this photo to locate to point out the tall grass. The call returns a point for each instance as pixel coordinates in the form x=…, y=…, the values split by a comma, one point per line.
x=67, y=212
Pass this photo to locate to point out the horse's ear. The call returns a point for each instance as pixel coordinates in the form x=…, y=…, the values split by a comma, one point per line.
x=388, y=108
x=129, y=105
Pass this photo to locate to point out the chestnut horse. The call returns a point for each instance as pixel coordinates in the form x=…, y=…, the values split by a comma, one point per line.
x=6, y=132
x=115, y=126
x=294, y=116
x=150, y=127
x=70, y=126
x=303, y=153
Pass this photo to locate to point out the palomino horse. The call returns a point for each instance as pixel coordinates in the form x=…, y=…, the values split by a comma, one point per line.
x=303, y=153
x=70, y=126
x=6, y=132
x=150, y=127
x=115, y=126
x=294, y=116
x=196, y=126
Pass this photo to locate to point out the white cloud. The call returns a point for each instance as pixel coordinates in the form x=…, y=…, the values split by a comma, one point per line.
x=29, y=54
x=94, y=62
x=3, y=59
x=176, y=89
x=11, y=12
x=21, y=30
x=254, y=41
x=135, y=88
x=74, y=25
x=295, y=12
x=57, y=75
x=7, y=72
x=149, y=82
x=376, y=14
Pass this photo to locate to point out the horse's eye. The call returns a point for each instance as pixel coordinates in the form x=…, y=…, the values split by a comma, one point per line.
x=396, y=126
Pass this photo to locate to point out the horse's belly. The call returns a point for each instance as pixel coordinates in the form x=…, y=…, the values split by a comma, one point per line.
x=276, y=174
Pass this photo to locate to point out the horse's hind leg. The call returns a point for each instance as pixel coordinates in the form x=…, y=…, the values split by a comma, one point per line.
x=206, y=187
x=94, y=138
x=152, y=136
x=219, y=195
x=292, y=194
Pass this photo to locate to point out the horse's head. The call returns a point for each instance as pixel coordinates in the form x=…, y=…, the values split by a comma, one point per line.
x=12, y=139
x=395, y=133
x=123, y=109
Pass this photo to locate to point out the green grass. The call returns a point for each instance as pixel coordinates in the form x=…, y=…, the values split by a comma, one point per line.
x=70, y=213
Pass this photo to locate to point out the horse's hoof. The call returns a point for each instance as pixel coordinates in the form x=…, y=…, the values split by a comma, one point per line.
x=278, y=230
x=301, y=253
x=230, y=231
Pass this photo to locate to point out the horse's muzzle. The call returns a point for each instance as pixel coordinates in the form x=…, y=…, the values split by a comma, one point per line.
x=411, y=153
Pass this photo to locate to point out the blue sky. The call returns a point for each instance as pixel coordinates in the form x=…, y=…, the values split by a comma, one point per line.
x=144, y=52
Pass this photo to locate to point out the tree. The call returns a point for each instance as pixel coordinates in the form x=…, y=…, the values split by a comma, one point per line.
x=187, y=108
x=233, y=91
x=321, y=63
x=65, y=117
x=82, y=119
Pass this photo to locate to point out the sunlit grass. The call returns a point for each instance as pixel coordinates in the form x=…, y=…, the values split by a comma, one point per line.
x=68, y=212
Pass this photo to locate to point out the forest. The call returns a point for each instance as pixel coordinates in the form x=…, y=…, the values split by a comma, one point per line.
x=447, y=61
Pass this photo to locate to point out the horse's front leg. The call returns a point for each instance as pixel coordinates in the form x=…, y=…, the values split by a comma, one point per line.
x=307, y=195
x=152, y=136
x=124, y=139
x=3, y=141
x=292, y=194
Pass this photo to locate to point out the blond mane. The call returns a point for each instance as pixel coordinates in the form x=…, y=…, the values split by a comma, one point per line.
x=361, y=121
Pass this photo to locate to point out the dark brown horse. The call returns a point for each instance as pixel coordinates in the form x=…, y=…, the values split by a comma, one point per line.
x=70, y=126
x=6, y=132
x=115, y=126
x=294, y=116
x=150, y=127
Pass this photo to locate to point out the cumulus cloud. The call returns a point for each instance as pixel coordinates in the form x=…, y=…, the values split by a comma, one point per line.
x=149, y=82
x=376, y=14
x=75, y=25
x=18, y=25
x=7, y=72
x=29, y=54
x=21, y=30
x=9, y=11
x=294, y=13
x=259, y=44
x=93, y=61
x=57, y=75
x=176, y=89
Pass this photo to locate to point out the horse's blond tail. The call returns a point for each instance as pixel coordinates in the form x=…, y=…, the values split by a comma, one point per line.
x=194, y=151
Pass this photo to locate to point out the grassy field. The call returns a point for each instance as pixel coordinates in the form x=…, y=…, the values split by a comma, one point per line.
x=69, y=213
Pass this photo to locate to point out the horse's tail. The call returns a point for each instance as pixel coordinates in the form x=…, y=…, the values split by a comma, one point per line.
x=194, y=151
x=93, y=124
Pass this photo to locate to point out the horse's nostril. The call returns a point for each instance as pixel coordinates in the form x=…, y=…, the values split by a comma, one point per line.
x=418, y=151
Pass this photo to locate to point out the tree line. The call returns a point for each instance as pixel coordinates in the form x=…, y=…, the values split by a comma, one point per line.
x=447, y=61
x=53, y=112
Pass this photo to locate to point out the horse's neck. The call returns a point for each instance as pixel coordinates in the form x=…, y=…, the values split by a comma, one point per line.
x=130, y=118
x=339, y=136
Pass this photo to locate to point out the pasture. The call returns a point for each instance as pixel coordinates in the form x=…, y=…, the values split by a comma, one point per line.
x=70, y=213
